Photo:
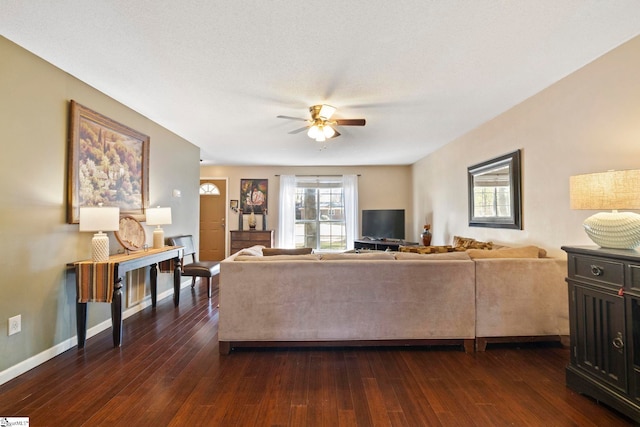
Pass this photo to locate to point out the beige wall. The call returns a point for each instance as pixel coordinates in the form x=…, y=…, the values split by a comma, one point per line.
x=587, y=122
x=379, y=187
x=36, y=242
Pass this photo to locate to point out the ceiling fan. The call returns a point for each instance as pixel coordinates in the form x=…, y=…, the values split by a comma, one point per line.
x=321, y=127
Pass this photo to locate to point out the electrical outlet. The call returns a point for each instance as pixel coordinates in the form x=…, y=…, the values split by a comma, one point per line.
x=15, y=324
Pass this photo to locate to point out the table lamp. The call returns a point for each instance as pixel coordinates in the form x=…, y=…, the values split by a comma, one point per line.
x=98, y=218
x=610, y=190
x=158, y=216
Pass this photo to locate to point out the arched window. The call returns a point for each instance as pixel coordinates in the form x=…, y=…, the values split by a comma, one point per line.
x=209, y=189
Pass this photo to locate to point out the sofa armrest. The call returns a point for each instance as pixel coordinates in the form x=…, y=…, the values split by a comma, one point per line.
x=521, y=297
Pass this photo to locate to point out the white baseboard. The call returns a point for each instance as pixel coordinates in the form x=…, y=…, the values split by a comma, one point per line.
x=30, y=363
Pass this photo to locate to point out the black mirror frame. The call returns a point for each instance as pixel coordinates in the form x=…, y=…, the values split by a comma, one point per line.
x=515, y=221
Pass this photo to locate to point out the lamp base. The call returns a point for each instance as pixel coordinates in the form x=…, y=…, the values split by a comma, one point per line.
x=619, y=230
x=158, y=238
x=100, y=247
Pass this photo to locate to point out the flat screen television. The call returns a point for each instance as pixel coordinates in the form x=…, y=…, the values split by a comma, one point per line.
x=383, y=224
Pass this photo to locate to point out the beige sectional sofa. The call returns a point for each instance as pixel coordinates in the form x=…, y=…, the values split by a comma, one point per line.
x=383, y=298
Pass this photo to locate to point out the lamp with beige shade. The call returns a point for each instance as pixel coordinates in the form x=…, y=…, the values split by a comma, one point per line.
x=611, y=190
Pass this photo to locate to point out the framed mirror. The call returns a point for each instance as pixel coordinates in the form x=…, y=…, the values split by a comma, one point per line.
x=494, y=193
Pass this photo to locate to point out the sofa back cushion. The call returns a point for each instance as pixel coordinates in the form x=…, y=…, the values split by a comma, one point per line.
x=283, y=251
x=521, y=252
x=310, y=257
x=433, y=256
x=377, y=255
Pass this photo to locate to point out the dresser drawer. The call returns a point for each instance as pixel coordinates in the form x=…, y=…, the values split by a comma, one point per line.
x=241, y=239
x=599, y=270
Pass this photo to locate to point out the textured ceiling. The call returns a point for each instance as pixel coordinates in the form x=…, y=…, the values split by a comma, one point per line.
x=219, y=72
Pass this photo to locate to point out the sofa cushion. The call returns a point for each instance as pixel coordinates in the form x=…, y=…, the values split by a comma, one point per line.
x=480, y=245
x=434, y=256
x=310, y=257
x=283, y=251
x=419, y=249
x=521, y=252
x=470, y=243
x=366, y=256
x=462, y=242
x=252, y=251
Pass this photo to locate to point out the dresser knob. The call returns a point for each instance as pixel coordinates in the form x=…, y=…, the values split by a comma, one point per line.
x=596, y=270
x=617, y=341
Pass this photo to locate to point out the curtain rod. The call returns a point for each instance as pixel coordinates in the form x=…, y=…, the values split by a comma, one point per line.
x=318, y=176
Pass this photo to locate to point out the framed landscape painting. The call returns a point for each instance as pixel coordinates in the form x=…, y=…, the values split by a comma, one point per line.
x=108, y=164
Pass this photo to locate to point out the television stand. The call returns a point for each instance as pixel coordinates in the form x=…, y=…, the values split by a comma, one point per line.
x=381, y=244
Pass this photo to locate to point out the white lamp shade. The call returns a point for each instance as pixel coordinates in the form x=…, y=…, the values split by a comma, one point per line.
x=99, y=218
x=158, y=216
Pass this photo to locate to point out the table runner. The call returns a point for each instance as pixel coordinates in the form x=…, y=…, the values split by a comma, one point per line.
x=95, y=281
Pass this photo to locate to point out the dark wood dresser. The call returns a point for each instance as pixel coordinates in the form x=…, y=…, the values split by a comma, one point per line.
x=241, y=239
x=604, y=316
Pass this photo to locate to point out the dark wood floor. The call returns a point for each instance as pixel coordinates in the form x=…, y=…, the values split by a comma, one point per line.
x=169, y=372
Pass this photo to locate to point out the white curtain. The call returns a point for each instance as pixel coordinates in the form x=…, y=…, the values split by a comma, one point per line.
x=287, y=217
x=350, y=185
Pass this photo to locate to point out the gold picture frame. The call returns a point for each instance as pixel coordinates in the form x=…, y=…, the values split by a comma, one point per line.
x=108, y=164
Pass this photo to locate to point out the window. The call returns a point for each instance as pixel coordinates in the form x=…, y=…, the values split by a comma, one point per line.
x=318, y=212
x=320, y=220
x=209, y=189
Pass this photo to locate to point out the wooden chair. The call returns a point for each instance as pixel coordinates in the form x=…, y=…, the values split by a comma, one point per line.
x=206, y=269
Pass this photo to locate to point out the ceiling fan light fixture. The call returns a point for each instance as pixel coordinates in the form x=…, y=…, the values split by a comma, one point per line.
x=328, y=131
x=321, y=127
x=326, y=111
x=313, y=132
x=320, y=137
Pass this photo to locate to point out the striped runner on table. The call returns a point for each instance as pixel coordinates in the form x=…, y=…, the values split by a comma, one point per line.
x=95, y=281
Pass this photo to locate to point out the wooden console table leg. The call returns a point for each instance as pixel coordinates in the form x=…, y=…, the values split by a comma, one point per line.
x=116, y=313
x=81, y=323
x=177, y=278
x=154, y=284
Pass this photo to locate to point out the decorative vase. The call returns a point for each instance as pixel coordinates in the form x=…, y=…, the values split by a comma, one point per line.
x=252, y=221
x=426, y=235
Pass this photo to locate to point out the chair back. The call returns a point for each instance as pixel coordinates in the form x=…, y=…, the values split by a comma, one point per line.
x=185, y=241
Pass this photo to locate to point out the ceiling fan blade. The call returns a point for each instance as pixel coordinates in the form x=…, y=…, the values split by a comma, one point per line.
x=335, y=135
x=299, y=130
x=292, y=118
x=350, y=122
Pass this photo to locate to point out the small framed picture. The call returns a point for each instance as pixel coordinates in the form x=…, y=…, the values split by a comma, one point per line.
x=233, y=204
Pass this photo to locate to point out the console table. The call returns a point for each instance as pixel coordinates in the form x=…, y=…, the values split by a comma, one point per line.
x=381, y=245
x=604, y=317
x=95, y=281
